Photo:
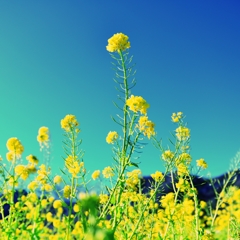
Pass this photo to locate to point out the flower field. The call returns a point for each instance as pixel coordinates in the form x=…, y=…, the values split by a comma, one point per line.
x=122, y=210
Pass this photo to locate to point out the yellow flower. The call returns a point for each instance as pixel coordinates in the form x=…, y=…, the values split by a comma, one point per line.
x=167, y=155
x=32, y=159
x=108, y=172
x=10, y=156
x=32, y=185
x=69, y=122
x=157, y=176
x=56, y=223
x=146, y=126
x=137, y=103
x=182, y=185
x=111, y=137
x=12, y=181
x=43, y=134
x=14, y=145
x=57, y=179
x=182, y=169
x=96, y=174
x=167, y=199
x=67, y=191
x=182, y=133
x=201, y=163
x=176, y=116
x=133, y=178
x=31, y=168
x=44, y=203
x=76, y=208
x=118, y=42
x=47, y=187
x=103, y=198
x=73, y=165
x=57, y=204
x=21, y=171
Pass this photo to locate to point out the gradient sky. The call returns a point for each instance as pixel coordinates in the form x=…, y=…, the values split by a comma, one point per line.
x=53, y=62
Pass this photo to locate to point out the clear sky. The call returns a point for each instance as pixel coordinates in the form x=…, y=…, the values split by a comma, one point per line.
x=53, y=62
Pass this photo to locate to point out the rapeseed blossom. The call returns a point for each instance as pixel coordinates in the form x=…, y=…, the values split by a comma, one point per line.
x=73, y=165
x=22, y=171
x=118, y=42
x=176, y=116
x=108, y=172
x=15, y=148
x=69, y=122
x=111, y=137
x=157, y=176
x=103, y=198
x=14, y=145
x=67, y=191
x=201, y=163
x=96, y=174
x=57, y=204
x=133, y=178
x=32, y=159
x=57, y=179
x=43, y=137
x=32, y=185
x=182, y=133
x=182, y=169
x=146, y=126
x=137, y=104
x=167, y=155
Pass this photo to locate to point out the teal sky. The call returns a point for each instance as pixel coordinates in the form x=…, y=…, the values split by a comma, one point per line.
x=53, y=62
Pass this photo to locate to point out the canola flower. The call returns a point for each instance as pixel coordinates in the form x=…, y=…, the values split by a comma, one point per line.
x=57, y=179
x=96, y=174
x=15, y=149
x=22, y=171
x=69, y=122
x=182, y=133
x=137, y=104
x=32, y=159
x=111, y=137
x=176, y=117
x=43, y=137
x=201, y=163
x=107, y=172
x=167, y=155
x=157, y=176
x=146, y=126
x=73, y=165
x=118, y=42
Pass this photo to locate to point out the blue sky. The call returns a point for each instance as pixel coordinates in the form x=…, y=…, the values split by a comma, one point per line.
x=54, y=62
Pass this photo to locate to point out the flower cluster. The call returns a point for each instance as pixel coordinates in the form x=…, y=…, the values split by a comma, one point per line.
x=69, y=122
x=15, y=149
x=157, y=176
x=146, y=126
x=108, y=172
x=118, y=42
x=43, y=137
x=111, y=137
x=73, y=165
x=137, y=104
x=96, y=174
x=133, y=178
x=167, y=155
x=177, y=116
x=201, y=163
x=182, y=133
